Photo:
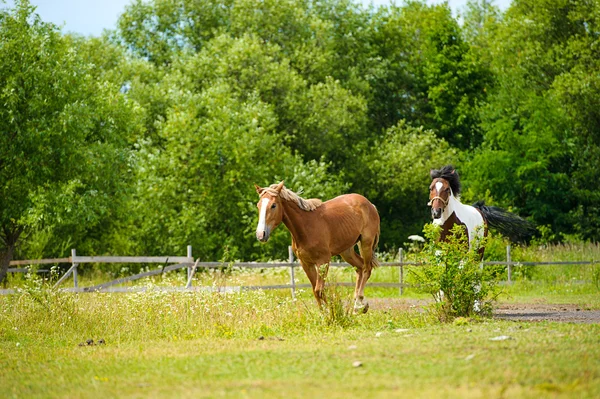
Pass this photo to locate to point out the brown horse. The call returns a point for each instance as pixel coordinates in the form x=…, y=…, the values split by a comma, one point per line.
x=321, y=230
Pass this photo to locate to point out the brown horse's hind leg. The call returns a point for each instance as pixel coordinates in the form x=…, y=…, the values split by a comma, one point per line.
x=355, y=260
x=366, y=250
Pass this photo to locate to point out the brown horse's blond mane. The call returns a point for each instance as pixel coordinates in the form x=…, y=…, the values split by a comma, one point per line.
x=289, y=195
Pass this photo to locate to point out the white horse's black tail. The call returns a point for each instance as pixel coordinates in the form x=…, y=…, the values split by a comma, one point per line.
x=508, y=224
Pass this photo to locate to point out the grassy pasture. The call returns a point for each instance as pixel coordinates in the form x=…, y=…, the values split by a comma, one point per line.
x=201, y=344
x=208, y=345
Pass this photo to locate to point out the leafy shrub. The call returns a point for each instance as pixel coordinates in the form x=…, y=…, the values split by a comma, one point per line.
x=337, y=308
x=453, y=275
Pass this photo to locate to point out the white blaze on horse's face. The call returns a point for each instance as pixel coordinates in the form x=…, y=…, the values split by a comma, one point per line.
x=262, y=221
x=261, y=229
x=439, y=195
x=438, y=186
x=270, y=216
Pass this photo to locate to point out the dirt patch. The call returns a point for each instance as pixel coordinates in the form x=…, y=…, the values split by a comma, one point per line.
x=397, y=304
x=544, y=312
x=567, y=313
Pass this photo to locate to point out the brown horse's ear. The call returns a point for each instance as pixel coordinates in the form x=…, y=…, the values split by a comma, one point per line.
x=453, y=170
x=258, y=188
x=431, y=172
x=279, y=186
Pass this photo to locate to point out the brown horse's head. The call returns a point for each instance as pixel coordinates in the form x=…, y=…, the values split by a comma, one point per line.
x=439, y=195
x=270, y=211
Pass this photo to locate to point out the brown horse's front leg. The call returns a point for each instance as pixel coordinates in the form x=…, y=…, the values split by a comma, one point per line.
x=319, y=289
x=312, y=274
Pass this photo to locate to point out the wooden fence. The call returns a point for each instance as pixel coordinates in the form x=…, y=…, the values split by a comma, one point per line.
x=170, y=263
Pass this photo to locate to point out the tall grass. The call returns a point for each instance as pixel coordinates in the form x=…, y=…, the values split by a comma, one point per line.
x=61, y=317
x=564, y=252
x=574, y=276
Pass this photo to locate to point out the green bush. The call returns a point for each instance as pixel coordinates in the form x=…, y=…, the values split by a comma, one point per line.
x=337, y=309
x=452, y=274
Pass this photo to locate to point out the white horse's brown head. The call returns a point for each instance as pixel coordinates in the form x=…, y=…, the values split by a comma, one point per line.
x=445, y=183
x=269, y=209
x=439, y=195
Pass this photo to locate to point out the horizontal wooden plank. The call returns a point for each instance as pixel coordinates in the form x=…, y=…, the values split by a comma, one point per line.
x=105, y=259
x=249, y=265
x=132, y=259
x=39, y=261
x=26, y=270
x=154, y=272
x=230, y=288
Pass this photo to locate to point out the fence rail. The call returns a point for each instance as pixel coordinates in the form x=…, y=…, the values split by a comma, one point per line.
x=39, y=262
x=170, y=263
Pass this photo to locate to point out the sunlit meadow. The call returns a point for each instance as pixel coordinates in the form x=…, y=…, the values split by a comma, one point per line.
x=267, y=344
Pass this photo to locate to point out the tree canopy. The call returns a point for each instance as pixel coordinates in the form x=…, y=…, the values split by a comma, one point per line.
x=64, y=149
x=151, y=137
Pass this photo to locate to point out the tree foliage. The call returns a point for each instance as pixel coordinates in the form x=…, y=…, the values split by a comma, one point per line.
x=151, y=137
x=64, y=145
x=398, y=178
x=541, y=131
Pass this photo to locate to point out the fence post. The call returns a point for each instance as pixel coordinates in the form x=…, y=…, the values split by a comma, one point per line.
x=292, y=279
x=401, y=277
x=508, y=261
x=73, y=256
x=189, y=268
x=191, y=274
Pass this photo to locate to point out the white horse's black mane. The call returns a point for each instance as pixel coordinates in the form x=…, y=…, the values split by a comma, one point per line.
x=451, y=175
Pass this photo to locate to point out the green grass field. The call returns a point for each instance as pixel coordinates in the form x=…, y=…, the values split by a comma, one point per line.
x=209, y=345
x=264, y=344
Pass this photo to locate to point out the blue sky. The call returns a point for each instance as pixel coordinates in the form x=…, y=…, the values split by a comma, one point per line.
x=90, y=17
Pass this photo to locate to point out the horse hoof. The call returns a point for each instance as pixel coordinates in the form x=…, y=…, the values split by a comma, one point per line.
x=361, y=309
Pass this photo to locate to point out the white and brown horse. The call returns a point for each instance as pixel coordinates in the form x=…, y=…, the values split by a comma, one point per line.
x=321, y=230
x=447, y=211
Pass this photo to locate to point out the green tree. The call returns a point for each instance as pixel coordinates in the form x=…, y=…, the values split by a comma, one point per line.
x=319, y=120
x=198, y=189
x=542, y=132
x=159, y=30
x=431, y=77
x=397, y=179
x=63, y=155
